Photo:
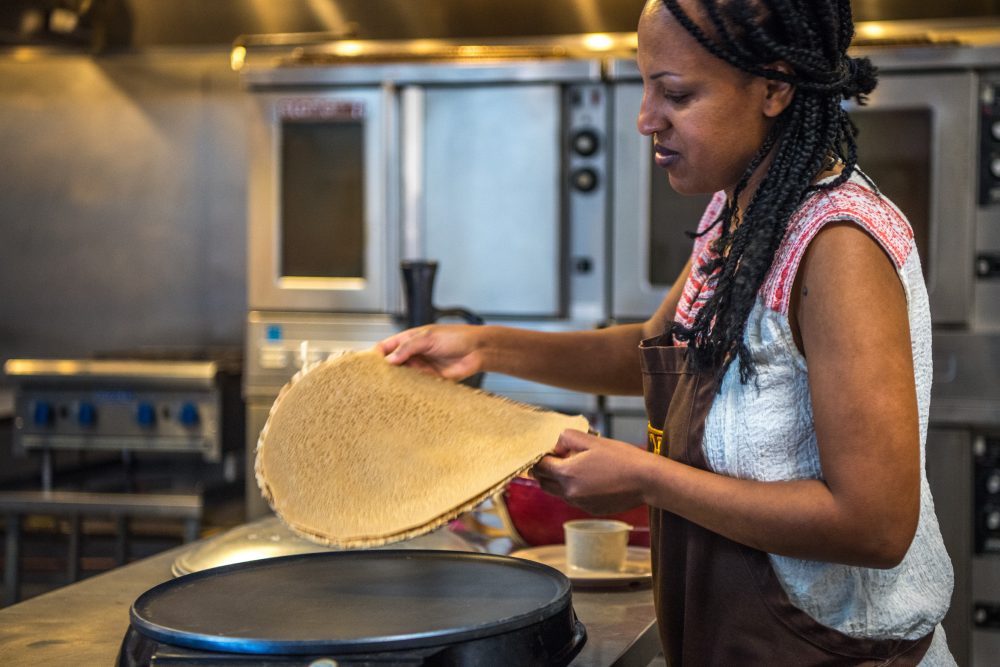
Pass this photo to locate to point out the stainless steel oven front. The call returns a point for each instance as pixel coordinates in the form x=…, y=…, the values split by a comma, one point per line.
x=497, y=172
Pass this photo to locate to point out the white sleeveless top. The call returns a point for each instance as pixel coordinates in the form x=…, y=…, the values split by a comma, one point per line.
x=764, y=430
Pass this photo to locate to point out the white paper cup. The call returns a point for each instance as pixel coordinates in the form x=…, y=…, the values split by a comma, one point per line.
x=596, y=544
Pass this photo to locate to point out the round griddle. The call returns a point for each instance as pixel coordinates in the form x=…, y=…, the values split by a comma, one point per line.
x=345, y=603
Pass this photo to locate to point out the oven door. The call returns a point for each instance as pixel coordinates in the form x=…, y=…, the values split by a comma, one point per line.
x=320, y=201
x=649, y=218
x=918, y=143
x=500, y=189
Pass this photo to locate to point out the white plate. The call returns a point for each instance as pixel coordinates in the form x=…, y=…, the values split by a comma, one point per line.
x=636, y=570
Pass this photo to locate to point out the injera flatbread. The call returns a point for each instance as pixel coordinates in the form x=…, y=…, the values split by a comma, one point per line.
x=357, y=452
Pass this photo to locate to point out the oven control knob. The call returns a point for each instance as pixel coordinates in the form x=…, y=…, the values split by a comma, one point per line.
x=995, y=167
x=584, y=180
x=86, y=414
x=993, y=521
x=189, y=415
x=44, y=415
x=146, y=415
x=995, y=130
x=993, y=483
x=585, y=142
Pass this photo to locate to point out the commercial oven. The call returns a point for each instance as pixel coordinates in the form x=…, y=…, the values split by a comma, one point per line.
x=490, y=158
x=496, y=171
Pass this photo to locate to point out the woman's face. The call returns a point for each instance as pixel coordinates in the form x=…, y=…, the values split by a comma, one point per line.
x=707, y=118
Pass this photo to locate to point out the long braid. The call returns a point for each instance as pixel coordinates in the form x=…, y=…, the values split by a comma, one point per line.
x=812, y=37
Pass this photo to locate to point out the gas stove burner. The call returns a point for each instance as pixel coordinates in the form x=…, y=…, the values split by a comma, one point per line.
x=359, y=608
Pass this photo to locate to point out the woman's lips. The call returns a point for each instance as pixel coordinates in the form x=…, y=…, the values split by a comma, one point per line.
x=664, y=156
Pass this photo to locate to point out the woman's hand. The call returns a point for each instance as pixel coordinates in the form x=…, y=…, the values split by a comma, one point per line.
x=599, y=475
x=451, y=351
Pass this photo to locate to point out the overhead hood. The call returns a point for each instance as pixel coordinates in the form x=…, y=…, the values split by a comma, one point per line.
x=139, y=24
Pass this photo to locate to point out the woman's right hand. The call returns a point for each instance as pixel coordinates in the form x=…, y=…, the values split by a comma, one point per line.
x=451, y=351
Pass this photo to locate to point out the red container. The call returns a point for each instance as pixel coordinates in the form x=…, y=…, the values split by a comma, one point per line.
x=538, y=517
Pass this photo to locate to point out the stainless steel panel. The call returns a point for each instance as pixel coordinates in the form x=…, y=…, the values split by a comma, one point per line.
x=256, y=416
x=413, y=122
x=986, y=592
x=626, y=404
x=587, y=111
x=985, y=648
x=524, y=71
x=956, y=44
x=533, y=393
x=114, y=423
x=279, y=343
x=152, y=23
x=492, y=198
x=949, y=473
x=69, y=372
x=373, y=292
x=883, y=10
x=632, y=295
x=966, y=388
x=123, y=193
x=986, y=305
x=629, y=428
x=643, y=198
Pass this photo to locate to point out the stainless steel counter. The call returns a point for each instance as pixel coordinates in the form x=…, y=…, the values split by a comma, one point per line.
x=83, y=624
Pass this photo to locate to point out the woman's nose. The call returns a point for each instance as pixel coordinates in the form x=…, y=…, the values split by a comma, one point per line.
x=649, y=121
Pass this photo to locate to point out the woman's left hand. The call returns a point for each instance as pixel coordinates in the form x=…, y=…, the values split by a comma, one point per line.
x=598, y=475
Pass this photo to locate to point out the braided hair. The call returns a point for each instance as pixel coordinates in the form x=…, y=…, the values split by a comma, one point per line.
x=811, y=134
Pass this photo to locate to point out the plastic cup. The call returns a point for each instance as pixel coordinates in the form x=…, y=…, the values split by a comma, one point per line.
x=596, y=544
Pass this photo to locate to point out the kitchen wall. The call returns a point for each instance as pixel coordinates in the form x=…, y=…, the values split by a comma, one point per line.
x=122, y=202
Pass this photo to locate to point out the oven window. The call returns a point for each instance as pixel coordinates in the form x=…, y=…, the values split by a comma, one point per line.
x=322, y=199
x=671, y=215
x=894, y=149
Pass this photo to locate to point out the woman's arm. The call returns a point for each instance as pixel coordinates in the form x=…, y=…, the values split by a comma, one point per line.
x=853, y=325
x=601, y=361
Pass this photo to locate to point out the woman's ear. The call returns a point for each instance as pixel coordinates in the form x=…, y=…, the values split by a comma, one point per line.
x=778, y=94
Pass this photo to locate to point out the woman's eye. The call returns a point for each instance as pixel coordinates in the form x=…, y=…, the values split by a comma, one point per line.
x=677, y=98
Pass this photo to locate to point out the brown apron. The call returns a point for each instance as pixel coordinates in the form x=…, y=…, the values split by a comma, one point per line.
x=719, y=602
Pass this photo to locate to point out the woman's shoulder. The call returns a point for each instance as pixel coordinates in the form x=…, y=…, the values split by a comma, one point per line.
x=856, y=201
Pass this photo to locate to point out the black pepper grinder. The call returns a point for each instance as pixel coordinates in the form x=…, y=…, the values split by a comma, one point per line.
x=418, y=280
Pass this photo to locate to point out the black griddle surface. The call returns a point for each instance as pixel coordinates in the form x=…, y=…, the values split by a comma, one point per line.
x=350, y=602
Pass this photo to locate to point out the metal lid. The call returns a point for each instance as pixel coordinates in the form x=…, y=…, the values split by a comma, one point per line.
x=351, y=602
x=270, y=538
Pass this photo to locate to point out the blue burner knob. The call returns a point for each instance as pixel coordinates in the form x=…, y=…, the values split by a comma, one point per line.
x=87, y=414
x=189, y=415
x=146, y=415
x=44, y=415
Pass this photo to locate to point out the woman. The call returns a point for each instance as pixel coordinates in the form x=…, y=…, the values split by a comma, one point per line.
x=786, y=374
